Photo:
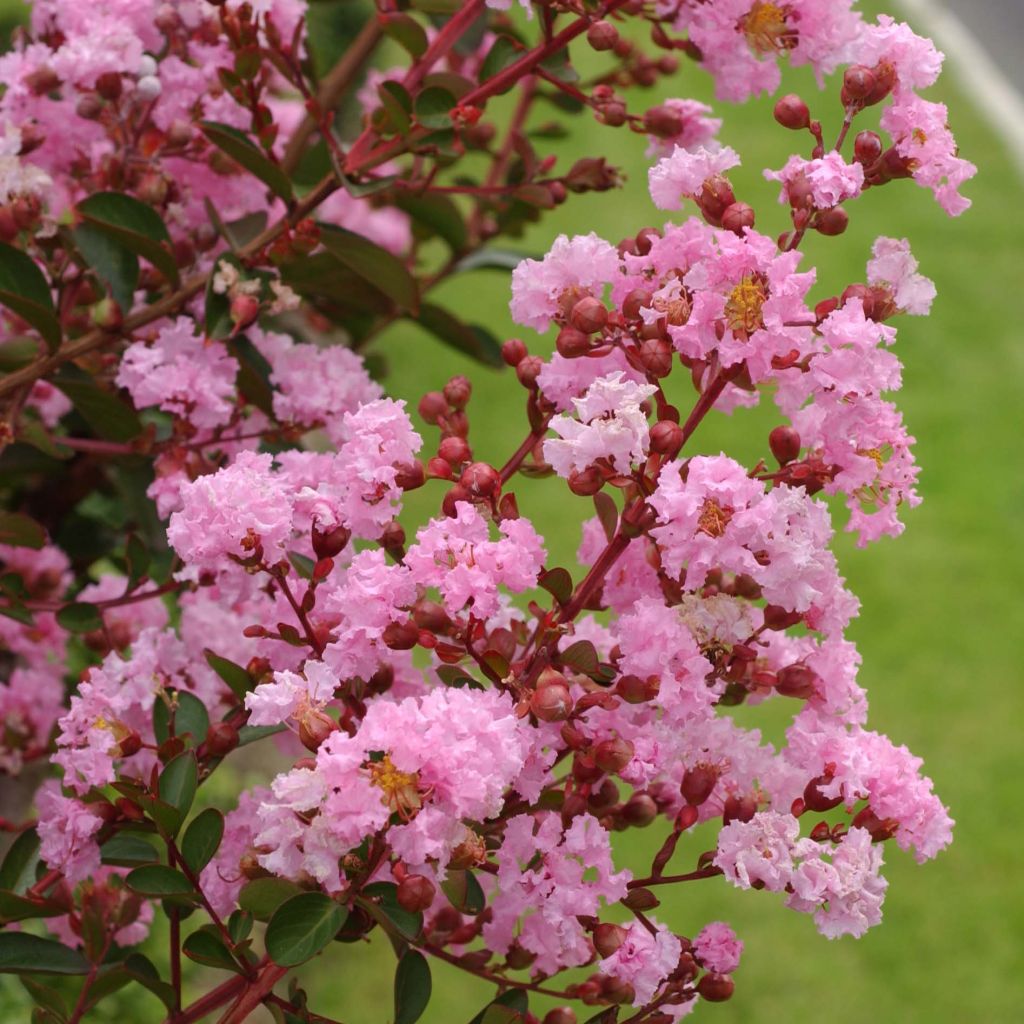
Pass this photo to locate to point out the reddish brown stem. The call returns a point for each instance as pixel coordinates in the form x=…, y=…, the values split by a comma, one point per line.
x=213, y=1000
x=692, y=876
x=254, y=994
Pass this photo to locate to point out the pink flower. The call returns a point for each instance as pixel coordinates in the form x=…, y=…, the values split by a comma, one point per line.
x=561, y=380
x=290, y=694
x=611, y=426
x=49, y=403
x=644, y=960
x=697, y=128
x=831, y=180
x=760, y=850
x=717, y=947
x=222, y=879
x=124, y=622
x=31, y=701
x=458, y=557
x=66, y=829
x=573, y=268
x=914, y=59
x=682, y=174
x=892, y=266
x=182, y=374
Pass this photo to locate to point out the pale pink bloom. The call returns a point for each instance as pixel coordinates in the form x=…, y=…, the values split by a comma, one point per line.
x=717, y=947
x=573, y=268
x=458, y=557
x=644, y=960
x=698, y=129
x=49, y=402
x=921, y=132
x=222, y=879
x=561, y=380
x=610, y=426
x=66, y=829
x=537, y=903
x=387, y=226
x=831, y=179
x=893, y=266
x=759, y=850
x=182, y=374
x=290, y=694
x=915, y=59
x=31, y=701
x=681, y=174
x=631, y=578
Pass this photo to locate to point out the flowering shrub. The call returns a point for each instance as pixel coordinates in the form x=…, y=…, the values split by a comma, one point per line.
x=201, y=230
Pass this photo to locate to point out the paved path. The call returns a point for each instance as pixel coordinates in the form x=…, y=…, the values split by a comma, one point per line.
x=999, y=27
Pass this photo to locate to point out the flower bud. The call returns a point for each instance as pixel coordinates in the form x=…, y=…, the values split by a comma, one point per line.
x=785, y=444
x=666, y=438
x=608, y=938
x=221, y=739
x=589, y=315
x=130, y=744
x=89, y=106
x=108, y=85
x=602, y=35
x=778, y=618
x=528, y=370
x=867, y=147
x=314, y=728
x=148, y=88
x=791, y=112
x=454, y=450
x=655, y=355
x=634, y=690
x=481, y=480
x=457, y=392
x=639, y=810
x=244, y=310
x=552, y=703
x=832, y=222
x=106, y=314
x=797, y=681
x=586, y=482
x=438, y=469
x=664, y=122
x=410, y=475
x=715, y=988
x=452, y=498
x=637, y=299
x=737, y=218
x=859, y=82
x=572, y=343
x=738, y=808
x=433, y=405
x=613, y=755
x=560, y=1015
x=513, y=351
x=415, y=893
x=331, y=543
x=815, y=799
x=640, y=899
x=699, y=783
x=401, y=636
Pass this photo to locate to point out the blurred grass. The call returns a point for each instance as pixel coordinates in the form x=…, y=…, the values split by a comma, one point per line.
x=941, y=619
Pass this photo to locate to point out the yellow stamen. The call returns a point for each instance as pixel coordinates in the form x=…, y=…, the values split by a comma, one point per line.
x=714, y=518
x=766, y=29
x=401, y=789
x=744, y=304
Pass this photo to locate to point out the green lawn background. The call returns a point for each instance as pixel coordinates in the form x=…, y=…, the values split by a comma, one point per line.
x=941, y=623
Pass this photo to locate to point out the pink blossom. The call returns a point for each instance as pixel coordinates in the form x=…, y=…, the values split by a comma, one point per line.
x=611, y=426
x=561, y=380
x=697, y=128
x=123, y=623
x=759, y=851
x=830, y=178
x=49, y=403
x=222, y=879
x=66, y=829
x=892, y=266
x=31, y=701
x=717, y=947
x=573, y=268
x=914, y=59
x=682, y=174
x=290, y=694
x=181, y=374
x=644, y=960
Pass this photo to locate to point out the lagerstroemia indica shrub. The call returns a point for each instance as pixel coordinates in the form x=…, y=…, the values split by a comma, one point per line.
x=202, y=228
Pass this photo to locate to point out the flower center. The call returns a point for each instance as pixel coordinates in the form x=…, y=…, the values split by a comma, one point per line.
x=713, y=518
x=743, y=306
x=765, y=27
x=401, y=789
x=674, y=306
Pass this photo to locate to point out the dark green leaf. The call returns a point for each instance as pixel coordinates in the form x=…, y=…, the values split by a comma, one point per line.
x=492, y=259
x=437, y=6
x=137, y=559
x=438, y=215
x=145, y=974
x=17, y=352
x=504, y=51
x=134, y=225
x=25, y=291
x=454, y=675
x=234, y=675
x=18, y=871
x=395, y=118
x=301, y=927
x=245, y=152
x=20, y=908
x=412, y=987
x=381, y=903
x=80, y=617
x=383, y=270
x=609, y=1015
x=253, y=374
x=557, y=64
x=158, y=880
x=190, y=717
x=202, y=838
x=464, y=892
x=433, y=107
x=240, y=925
x=20, y=531
x=303, y=566
x=128, y=850
x=108, y=415
x=209, y=949
x=178, y=782
x=558, y=583
x=471, y=340
x=48, y=998
x=407, y=32
x=21, y=953
x=251, y=733
x=115, y=264
x=262, y=896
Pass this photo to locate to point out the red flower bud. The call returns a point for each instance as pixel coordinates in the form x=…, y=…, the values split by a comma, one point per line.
x=715, y=988
x=400, y=636
x=585, y=482
x=552, y=703
x=664, y=122
x=613, y=755
x=457, y=392
x=867, y=147
x=513, y=351
x=608, y=938
x=452, y=498
x=314, y=728
x=109, y=85
x=797, y=681
x=602, y=35
x=438, y=469
x=454, y=450
x=221, y=739
x=666, y=438
x=415, y=893
x=528, y=370
x=655, y=355
x=791, y=112
x=572, y=343
x=737, y=218
x=778, y=618
x=589, y=315
x=636, y=300
x=560, y=1015
x=699, y=783
x=481, y=480
x=859, y=82
x=738, y=808
x=832, y=222
x=634, y=690
x=433, y=405
x=331, y=543
x=244, y=310
x=785, y=444
x=815, y=800
x=686, y=818
x=639, y=810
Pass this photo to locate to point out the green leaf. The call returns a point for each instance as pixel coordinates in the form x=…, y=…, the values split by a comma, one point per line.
x=262, y=896
x=407, y=32
x=21, y=531
x=25, y=291
x=253, y=374
x=454, y=675
x=504, y=52
x=492, y=259
x=115, y=264
x=202, y=838
x=109, y=416
x=21, y=953
x=158, y=880
x=233, y=675
x=178, y=782
x=397, y=105
x=438, y=215
x=80, y=617
x=191, y=717
x=128, y=850
x=464, y=892
x=471, y=340
x=581, y=656
x=137, y=560
x=303, y=566
x=412, y=987
x=240, y=925
x=20, y=908
x=379, y=267
x=607, y=514
x=48, y=998
x=134, y=225
x=143, y=973
x=609, y=1015
x=252, y=733
x=433, y=107
x=17, y=352
x=301, y=927
x=381, y=903
x=18, y=871
x=245, y=152
x=206, y=948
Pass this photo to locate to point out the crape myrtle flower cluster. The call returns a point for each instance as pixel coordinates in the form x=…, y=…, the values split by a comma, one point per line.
x=204, y=223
